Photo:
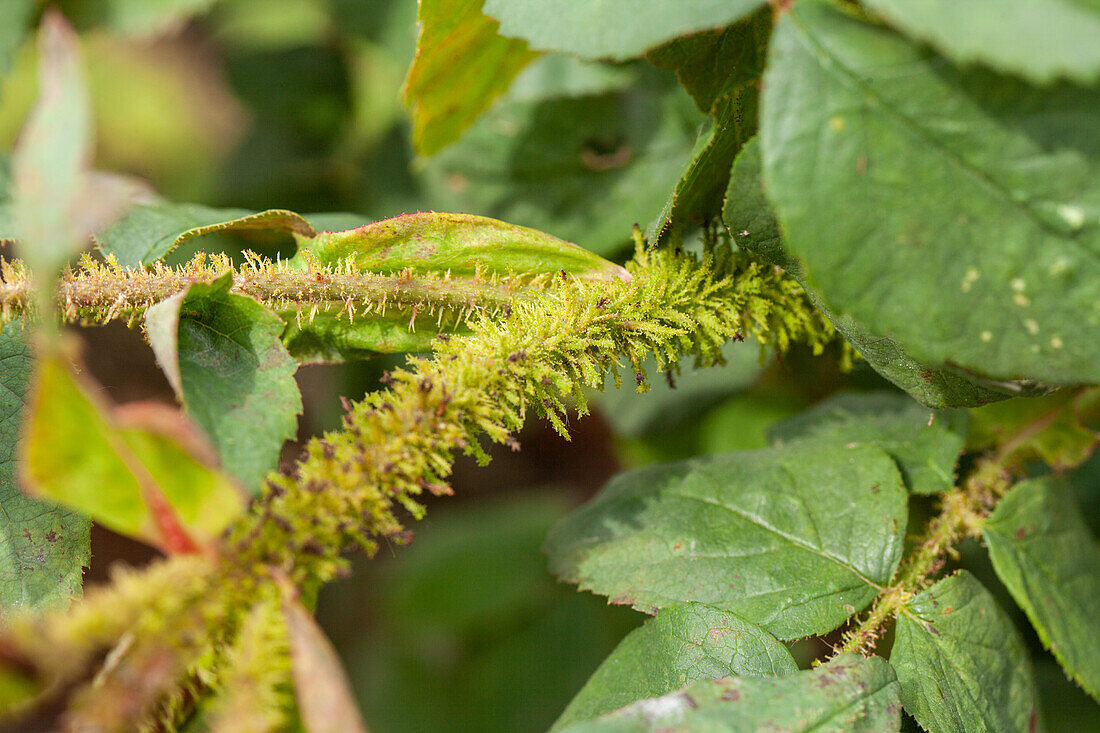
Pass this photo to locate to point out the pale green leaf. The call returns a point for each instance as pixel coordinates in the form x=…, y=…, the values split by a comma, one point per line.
x=749, y=216
x=925, y=443
x=462, y=64
x=850, y=694
x=908, y=186
x=794, y=540
x=50, y=161
x=15, y=16
x=460, y=244
x=222, y=354
x=682, y=644
x=618, y=30
x=43, y=548
x=962, y=665
x=139, y=471
x=1046, y=557
x=1041, y=40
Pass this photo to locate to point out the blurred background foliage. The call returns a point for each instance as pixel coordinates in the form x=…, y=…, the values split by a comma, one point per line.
x=296, y=104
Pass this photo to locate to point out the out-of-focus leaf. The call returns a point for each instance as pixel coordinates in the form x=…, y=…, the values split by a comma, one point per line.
x=138, y=471
x=151, y=17
x=751, y=220
x=712, y=64
x=554, y=76
x=1051, y=428
x=468, y=623
x=999, y=258
x=222, y=354
x=325, y=700
x=43, y=547
x=1046, y=557
x=668, y=405
x=616, y=30
x=850, y=694
x=925, y=444
x=961, y=664
x=132, y=84
x=794, y=540
x=457, y=243
x=1041, y=40
x=462, y=64
x=15, y=17
x=682, y=644
x=51, y=158
x=583, y=168
x=149, y=232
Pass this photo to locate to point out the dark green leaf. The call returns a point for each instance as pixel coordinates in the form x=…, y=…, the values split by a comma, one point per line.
x=793, y=540
x=585, y=169
x=149, y=232
x=908, y=186
x=1043, y=553
x=222, y=354
x=925, y=444
x=43, y=548
x=1040, y=40
x=961, y=664
x=161, y=490
x=697, y=197
x=850, y=694
x=617, y=30
x=715, y=63
x=682, y=644
x=751, y=221
x=462, y=64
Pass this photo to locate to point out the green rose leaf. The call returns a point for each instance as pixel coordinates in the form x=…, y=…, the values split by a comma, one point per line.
x=680, y=645
x=850, y=694
x=794, y=540
x=161, y=490
x=460, y=244
x=586, y=168
x=1041, y=40
x=697, y=197
x=616, y=30
x=906, y=186
x=925, y=444
x=961, y=663
x=751, y=220
x=1043, y=553
x=222, y=355
x=149, y=232
x=462, y=64
x=43, y=548
x=713, y=64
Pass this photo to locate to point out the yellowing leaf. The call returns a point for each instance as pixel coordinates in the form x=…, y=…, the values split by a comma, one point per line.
x=462, y=64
